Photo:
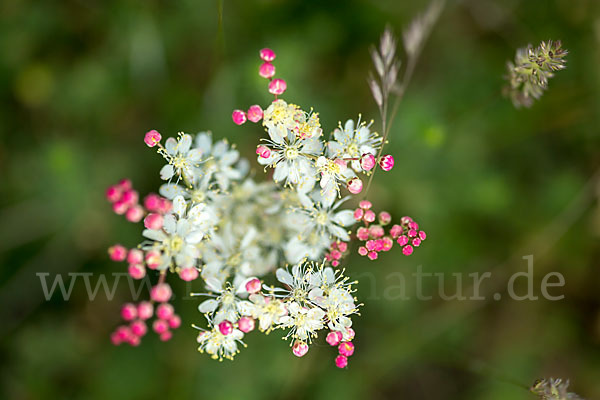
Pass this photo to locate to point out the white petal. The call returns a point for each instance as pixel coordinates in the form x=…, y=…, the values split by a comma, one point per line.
x=344, y=218
x=185, y=143
x=284, y=277
x=179, y=206
x=167, y=172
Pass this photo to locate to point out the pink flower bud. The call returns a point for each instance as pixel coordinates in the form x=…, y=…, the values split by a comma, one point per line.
x=134, y=340
x=174, y=321
x=136, y=271
x=346, y=349
x=267, y=55
x=372, y=255
x=253, y=285
x=188, y=274
x=120, y=207
x=145, y=310
x=123, y=333
x=255, y=113
x=413, y=225
x=113, y=193
x=266, y=70
x=396, y=231
x=334, y=338
x=160, y=326
x=152, y=138
x=350, y=334
x=362, y=250
x=115, y=339
x=412, y=233
x=225, y=328
x=402, y=240
x=367, y=161
x=376, y=231
x=299, y=348
x=369, y=216
x=166, y=336
x=388, y=243
x=341, y=361
x=358, y=214
x=387, y=162
x=365, y=204
x=135, y=256
x=239, y=117
x=134, y=214
x=161, y=293
x=117, y=252
x=407, y=250
x=130, y=197
x=385, y=218
x=416, y=242
x=153, y=221
x=152, y=202
x=336, y=255
x=405, y=220
x=335, y=263
x=129, y=312
x=153, y=259
x=355, y=185
x=164, y=206
x=422, y=235
x=342, y=246
x=138, y=328
x=277, y=86
x=164, y=311
x=362, y=233
x=263, y=151
x=124, y=184
x=246, y=324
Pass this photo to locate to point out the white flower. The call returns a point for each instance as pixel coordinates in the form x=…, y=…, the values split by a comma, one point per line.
x=298, y=282
x=227, y=254
x=332, y=173
x=224, y=305
x=221, y=160
x=323, y=218
x=182, y=160
x=281, y=116
x=220, y=346
x=353, y=143
x=180, y=234
x=293, y=159
x=304, y=322
x=268, y=311
x=333, y=292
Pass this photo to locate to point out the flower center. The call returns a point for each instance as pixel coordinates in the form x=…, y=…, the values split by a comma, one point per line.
x=321, y=218
x=291, y=153
x=176, y=243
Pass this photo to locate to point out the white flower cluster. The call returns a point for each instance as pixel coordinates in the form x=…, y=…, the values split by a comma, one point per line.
x=233, y=231
x=313, y=298
x=300, y=157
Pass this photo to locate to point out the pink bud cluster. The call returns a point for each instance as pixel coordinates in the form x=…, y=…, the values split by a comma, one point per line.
x=125, y=201
x=276, y=87
x=407, y=234
x=344, y=345
x=137, y=316
x=337, y=250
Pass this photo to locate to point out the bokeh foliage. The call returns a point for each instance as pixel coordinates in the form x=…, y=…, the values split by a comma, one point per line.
x=81, y=81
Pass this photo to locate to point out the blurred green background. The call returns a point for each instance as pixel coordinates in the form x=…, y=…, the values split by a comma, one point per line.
x=81, y=81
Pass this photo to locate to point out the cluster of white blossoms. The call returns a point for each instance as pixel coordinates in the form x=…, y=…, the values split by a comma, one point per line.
x=268, y=253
